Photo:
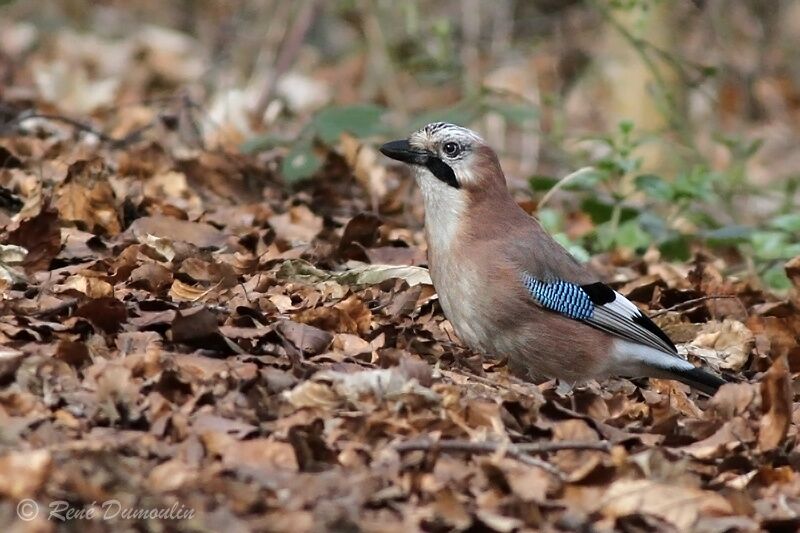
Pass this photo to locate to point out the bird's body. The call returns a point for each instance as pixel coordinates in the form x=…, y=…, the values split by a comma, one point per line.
x=509, y=289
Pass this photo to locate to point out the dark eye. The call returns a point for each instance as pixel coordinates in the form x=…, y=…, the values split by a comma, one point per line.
x=451, y=149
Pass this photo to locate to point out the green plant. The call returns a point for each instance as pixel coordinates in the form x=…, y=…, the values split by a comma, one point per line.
x=327, y=126
x=633, y=210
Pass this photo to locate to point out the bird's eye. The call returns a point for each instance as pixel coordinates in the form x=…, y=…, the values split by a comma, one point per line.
x=451, y=149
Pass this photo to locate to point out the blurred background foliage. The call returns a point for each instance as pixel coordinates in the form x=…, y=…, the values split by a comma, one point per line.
x=626, y=126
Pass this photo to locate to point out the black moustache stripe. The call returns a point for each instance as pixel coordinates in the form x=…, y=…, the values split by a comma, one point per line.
x=442, y=171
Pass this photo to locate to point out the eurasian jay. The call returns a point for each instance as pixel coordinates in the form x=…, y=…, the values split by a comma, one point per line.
x=510, y=290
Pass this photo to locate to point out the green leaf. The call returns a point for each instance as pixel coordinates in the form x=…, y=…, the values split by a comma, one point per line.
x=601, y=211
x=789, y=222
x=776, y=279
x=654, y=186
x=260, y=143
x=768, y=245
x=576, y=250
x=727, y=235
x=631, y=235
x=676, y=248
x=542, y=183
x=361, y=120
x=550, y=219
x=300, y=163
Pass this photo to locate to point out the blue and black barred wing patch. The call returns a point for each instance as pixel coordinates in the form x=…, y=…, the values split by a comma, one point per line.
x=599, y=306
x=560, y=296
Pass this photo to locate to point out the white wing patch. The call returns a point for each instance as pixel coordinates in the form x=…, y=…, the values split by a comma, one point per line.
x=623, y=319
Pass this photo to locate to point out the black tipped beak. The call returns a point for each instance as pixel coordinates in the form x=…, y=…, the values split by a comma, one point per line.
x=402, y=151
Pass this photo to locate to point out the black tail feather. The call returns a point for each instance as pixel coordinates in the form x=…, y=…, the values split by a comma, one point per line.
x=699, y=379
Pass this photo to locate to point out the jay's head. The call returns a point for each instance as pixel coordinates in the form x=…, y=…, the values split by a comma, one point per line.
x=442, y=153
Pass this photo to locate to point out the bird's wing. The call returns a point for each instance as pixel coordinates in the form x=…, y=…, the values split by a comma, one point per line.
x=599, y=306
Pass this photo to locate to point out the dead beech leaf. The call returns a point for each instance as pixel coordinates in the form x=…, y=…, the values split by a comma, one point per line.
x=208, y=423
x=299, y=225
x=260, y=454
x=106, y=313
x=725, y=344
x=11, y=256
x=361, y=232
x=312, y=394
x=776, y=404
x=357, y=316
x=307, y=339
x=374, y=274
x=792, y=268
x=196, y=233
x=152, y=276
x=163, y=247
x=171, y=475
x=220, y=274
x=10, y=360
x=723, y=442
x=86, y=198
x=451, y=509
x=680, y=506
x=40, y=236
x=363, y=159
x=330, y=388
x=23, y=473
x=194, y=324
x=90, y=286
x=182, y=292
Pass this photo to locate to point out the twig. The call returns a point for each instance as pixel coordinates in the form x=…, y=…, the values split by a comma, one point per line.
x=545, y=447
x=457, y=445
x=689, y=303
x=82, y=126
x=562, y=183
x=287, y=55
x=55, y=309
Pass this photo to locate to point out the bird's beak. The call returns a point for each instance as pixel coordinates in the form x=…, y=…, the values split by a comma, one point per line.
x=402, y=151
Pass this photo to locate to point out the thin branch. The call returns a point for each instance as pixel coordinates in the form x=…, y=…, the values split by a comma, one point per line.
x=55, y=309
x=507, y=449
x=562, y=183
x=690, y=303
x=546, y=447
x=287, y=55
x=133, y=136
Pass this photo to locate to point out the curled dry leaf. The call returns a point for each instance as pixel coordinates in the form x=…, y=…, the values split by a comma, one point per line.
x=260, y=454
x=725, y=344
x=793, y=271
x=307, y=339
x=40, y=236
x=363, y=159
x=181, y=291
x=87, y=199
x=171, y=475
x=328, y=389
x=106, y=313
x=11, y=256
x=776, y=403
x=679, y=506
x=23, y=473
x=90, y=286
x=375, y=274
x=299, y=225
x=196, y=233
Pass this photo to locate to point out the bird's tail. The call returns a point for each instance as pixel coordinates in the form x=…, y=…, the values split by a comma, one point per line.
x=636, y=360
x=697, y=378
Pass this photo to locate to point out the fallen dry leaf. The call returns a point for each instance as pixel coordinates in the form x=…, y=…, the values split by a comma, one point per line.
x=679, y=506
x=776, y=403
